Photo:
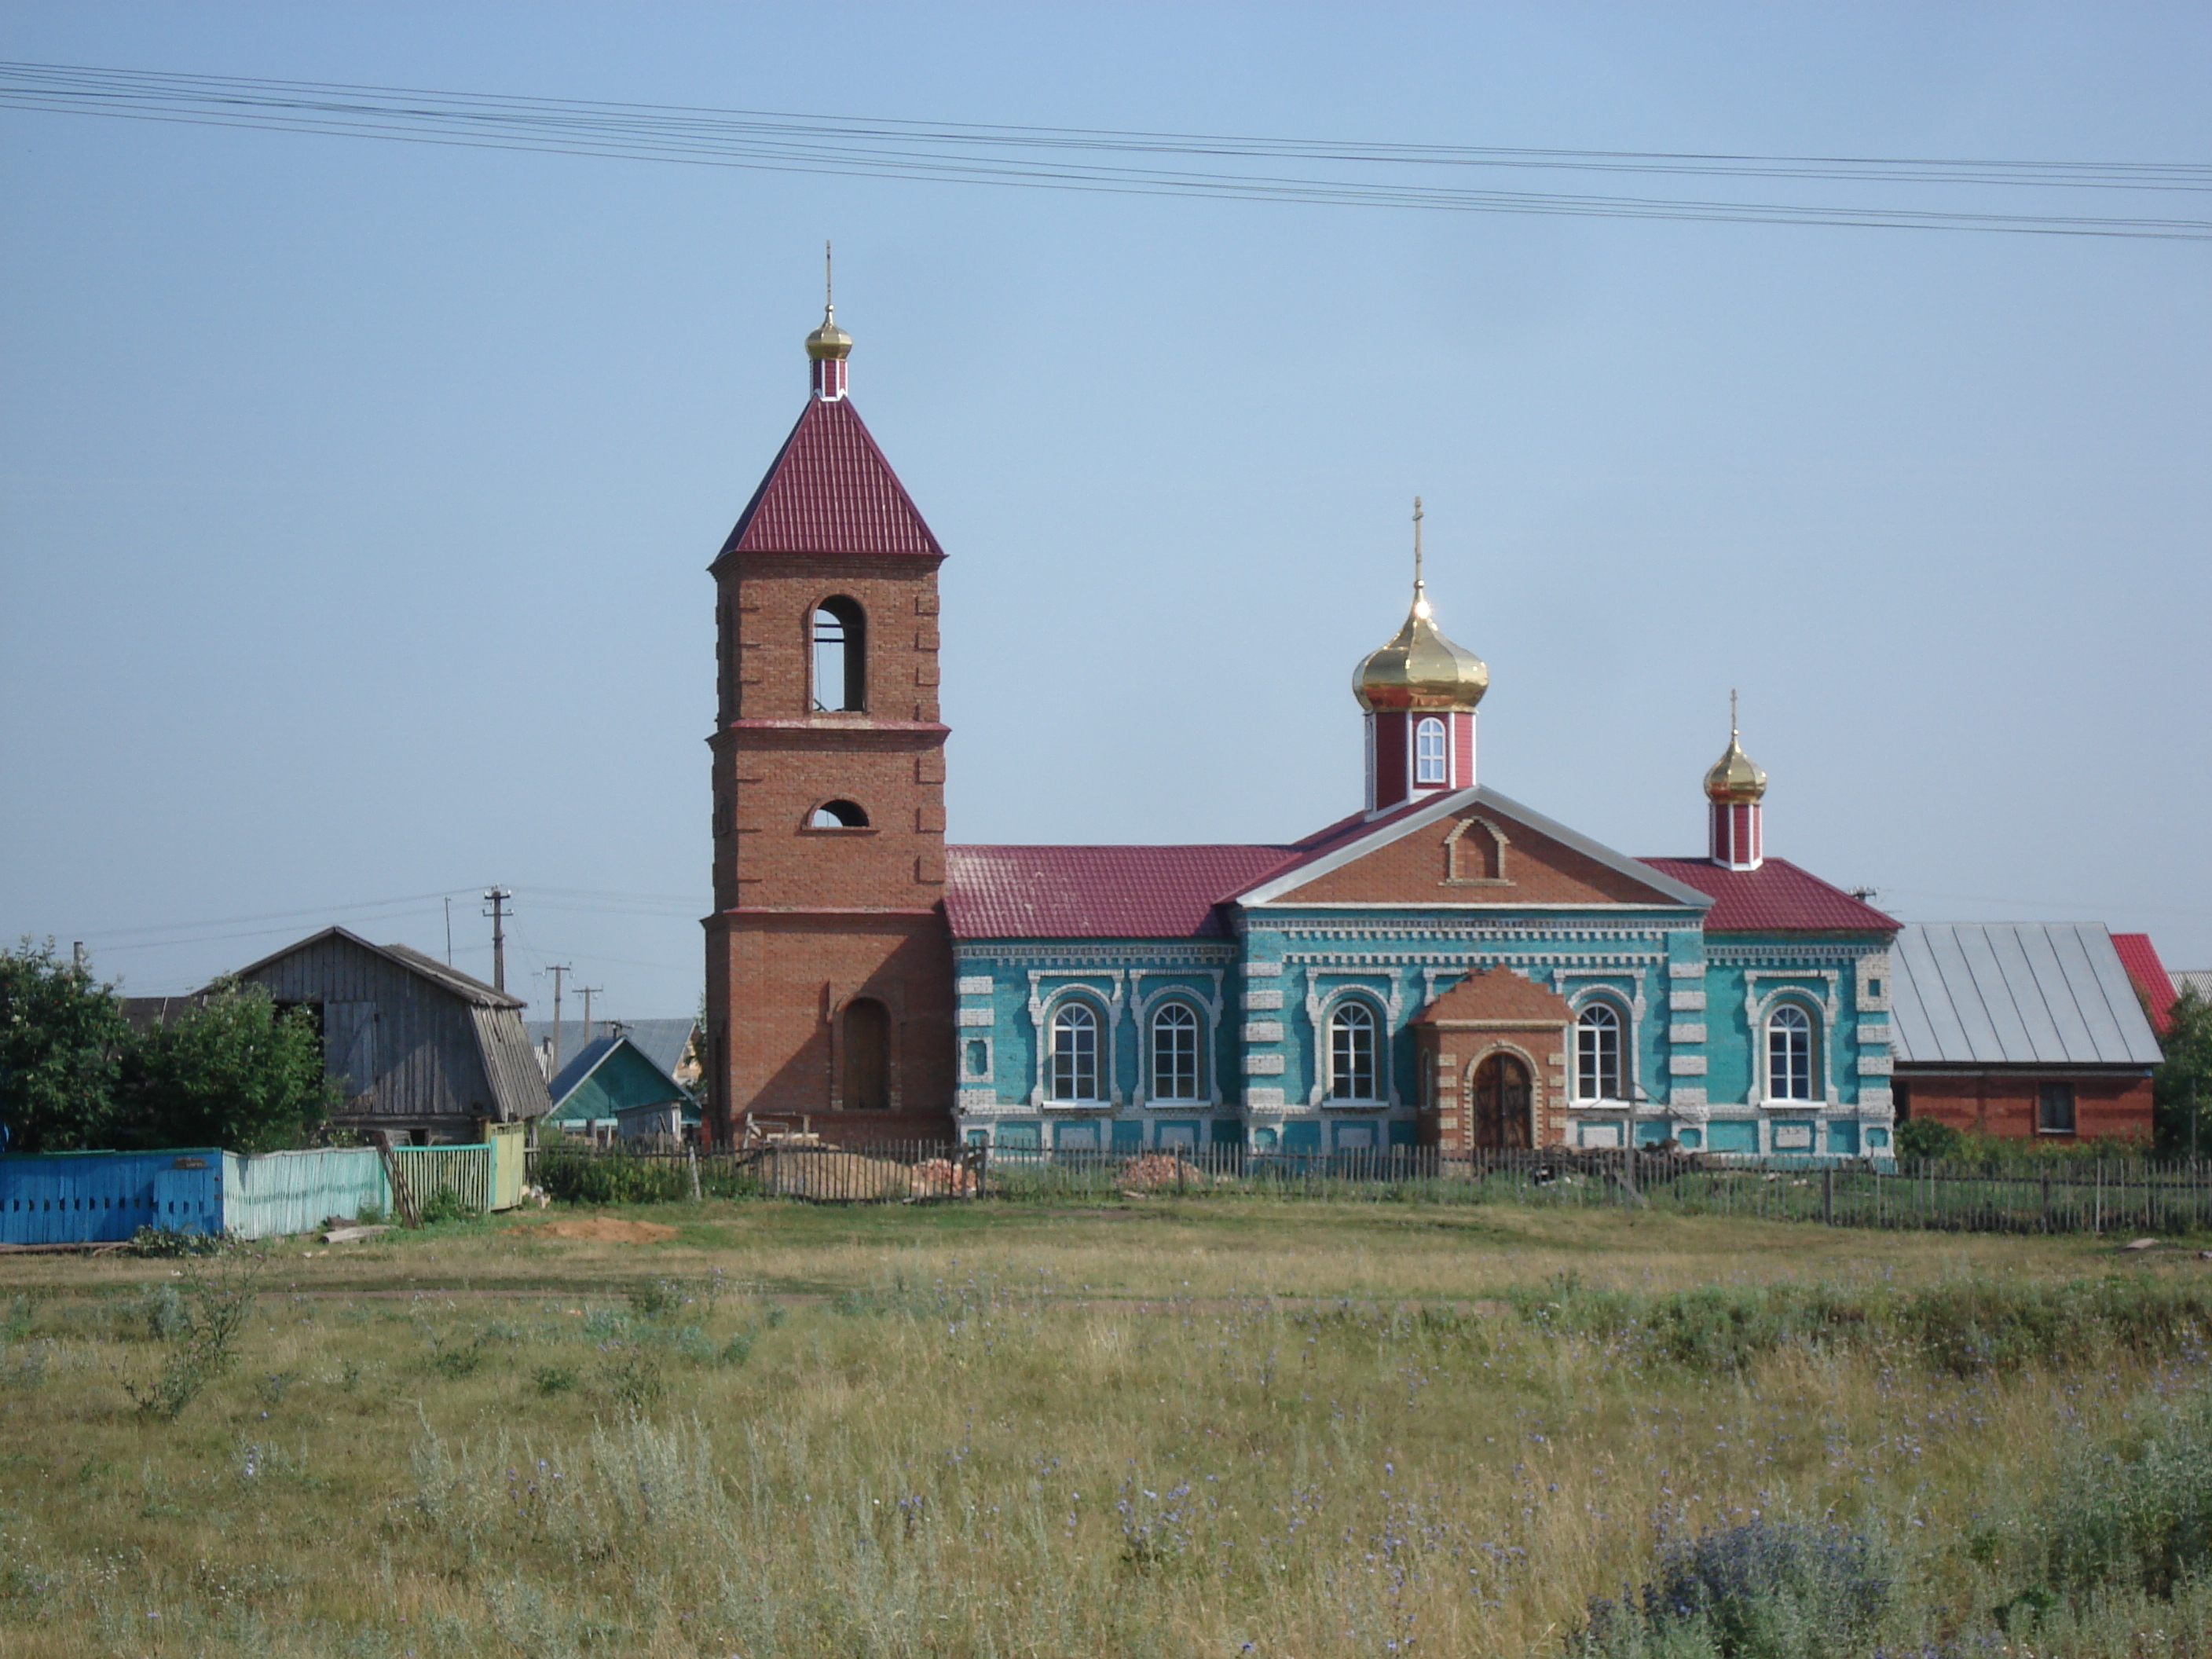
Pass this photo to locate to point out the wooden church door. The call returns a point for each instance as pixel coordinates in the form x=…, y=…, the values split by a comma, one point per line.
x=1501, y=1103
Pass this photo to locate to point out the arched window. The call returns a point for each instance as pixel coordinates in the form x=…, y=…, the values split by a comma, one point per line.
x=1790, y=1053
x=838, y=815
x=867, y=1055
x=1597, y=1053
x=1429, y=751
x=1352, y=1052
x=1073, y=1068
x=839, y=629
x=1175, y=1052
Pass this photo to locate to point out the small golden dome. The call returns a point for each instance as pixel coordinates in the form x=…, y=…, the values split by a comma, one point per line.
x=1733, y=779
x=1420, y=669
x=829, y=342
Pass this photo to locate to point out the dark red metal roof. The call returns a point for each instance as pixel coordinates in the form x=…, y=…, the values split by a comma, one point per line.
x=2148, y=975
x=830, y=490
x=1098, y=893
x=1777, y=897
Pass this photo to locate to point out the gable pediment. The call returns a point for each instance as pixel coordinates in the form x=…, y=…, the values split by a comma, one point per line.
x=1475, y=847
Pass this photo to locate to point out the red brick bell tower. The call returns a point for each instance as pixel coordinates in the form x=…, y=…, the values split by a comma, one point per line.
x=829, y=967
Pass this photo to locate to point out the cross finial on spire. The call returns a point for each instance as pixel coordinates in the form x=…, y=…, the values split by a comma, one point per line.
x=1732, y=731
x=1420, y=589
x=829, y=282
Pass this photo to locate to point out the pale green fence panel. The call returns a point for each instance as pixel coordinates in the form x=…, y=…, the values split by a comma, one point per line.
x=463, y=1171
x=509, y=1146
x=278, y=1194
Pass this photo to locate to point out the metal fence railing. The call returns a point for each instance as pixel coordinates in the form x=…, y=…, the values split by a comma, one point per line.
x=2040, y=1195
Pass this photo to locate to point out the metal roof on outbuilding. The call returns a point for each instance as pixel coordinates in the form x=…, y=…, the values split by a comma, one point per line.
x=2015, y=994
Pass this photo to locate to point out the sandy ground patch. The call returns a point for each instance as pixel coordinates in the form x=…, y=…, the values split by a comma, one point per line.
x=609, y=1229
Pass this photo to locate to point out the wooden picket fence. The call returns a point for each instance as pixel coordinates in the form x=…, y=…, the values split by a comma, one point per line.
x=2041, y=1195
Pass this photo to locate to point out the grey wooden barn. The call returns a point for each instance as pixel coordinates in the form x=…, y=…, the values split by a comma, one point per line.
x=417, y=1048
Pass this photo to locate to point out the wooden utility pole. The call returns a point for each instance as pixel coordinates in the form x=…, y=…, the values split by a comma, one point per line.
x=497, y=897
x=556, y=970
x=587, y=992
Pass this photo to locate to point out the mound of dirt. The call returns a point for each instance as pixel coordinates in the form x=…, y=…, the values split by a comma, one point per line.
x=609, y=1229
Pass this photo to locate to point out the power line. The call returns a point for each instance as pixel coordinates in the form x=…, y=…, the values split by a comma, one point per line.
x=1081, y=159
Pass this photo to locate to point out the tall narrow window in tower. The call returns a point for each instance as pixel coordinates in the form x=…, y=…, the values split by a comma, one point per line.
x=1429, y=751
x=839, y=631
x=1074, y=1055
x=1352, y=1052
x=1174, y=1053
x=1790, y=1053
x=1597, y=1053
x=867, y=1055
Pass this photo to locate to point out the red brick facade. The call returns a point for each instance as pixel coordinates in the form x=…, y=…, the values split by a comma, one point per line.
x=2005, y=1102
x=828, y=965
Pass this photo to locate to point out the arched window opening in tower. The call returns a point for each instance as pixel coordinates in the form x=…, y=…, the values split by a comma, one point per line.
x=1074, y=1058
x=839, y=630
x=1174, y=1053
x=1790, y=1053
x=867, y=1055
x=1429, y=751
x=1352, y=1052
x=838, y=815
x=1597, y=1053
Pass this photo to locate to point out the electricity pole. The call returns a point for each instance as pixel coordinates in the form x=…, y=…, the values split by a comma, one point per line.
x=556, y=970
x=497, y=897
x=587, y=992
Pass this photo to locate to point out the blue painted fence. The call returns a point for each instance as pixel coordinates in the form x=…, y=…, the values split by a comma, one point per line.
x=92, y=1198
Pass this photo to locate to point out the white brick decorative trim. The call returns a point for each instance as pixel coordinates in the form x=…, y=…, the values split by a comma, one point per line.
x=971, y=1100
x=1263, y=1031
x=1688, y=1097
x=1875, y=1101
x=973, y=985
x=1875, y=1064
x=1872, y=985
x=1686, y=1002
x=1685, y=1064
x=1685, y=1033
x=1262, y=969
x=1876, y=1035
x=1685, y=970
x=975, y=1016
x=1263, y=1100
x=1263, y=1066
x=1261, y=1002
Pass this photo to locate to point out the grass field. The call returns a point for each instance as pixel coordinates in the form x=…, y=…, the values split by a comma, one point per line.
x=1152, y=1428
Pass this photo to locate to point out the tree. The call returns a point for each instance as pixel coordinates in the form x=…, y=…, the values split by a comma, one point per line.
x=2184, y=1075
x=61, y=1034
x=238, y=1073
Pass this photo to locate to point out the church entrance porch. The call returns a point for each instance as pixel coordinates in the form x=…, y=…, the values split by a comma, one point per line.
x=1493, y=1053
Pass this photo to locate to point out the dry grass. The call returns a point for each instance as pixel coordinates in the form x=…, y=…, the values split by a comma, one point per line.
x=1163, y=1428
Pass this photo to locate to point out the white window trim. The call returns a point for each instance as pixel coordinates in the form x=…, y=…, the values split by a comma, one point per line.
x=1203, y=1073
x=1099, y=1028
x=1383, y=990
x=1815, y=1054
x=1110, y=1001
x=1208, y=1003
x=1624, y=1025
x=1379, y=1024
x=1422, y=724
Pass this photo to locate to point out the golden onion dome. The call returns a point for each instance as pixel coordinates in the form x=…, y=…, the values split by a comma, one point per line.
x=829, y=341
x=1733, y=779
x=1420, y=669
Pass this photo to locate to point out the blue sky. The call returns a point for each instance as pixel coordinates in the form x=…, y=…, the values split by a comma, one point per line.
x=354, y=497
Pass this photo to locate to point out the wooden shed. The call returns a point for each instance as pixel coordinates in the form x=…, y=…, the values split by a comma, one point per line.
x=417, y=1048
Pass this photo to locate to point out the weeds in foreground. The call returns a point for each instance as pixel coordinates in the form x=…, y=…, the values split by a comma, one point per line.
x=199, y=1325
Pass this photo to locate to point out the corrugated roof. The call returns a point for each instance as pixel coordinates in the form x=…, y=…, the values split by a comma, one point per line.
x=2148, y=974
x=660, y=1041
x=2015, y=994
x=1097, y=892
x=2198, y=980
x=1778, y=897
x=830, y=490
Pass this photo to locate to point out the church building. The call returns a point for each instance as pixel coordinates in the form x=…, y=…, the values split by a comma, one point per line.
x=1443, y=967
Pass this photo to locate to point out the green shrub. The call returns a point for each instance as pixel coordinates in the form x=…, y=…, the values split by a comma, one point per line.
x=447, y=1205
x=201, y=1330
x=1924, y=1137
x=581, y=1177
x=1763, y=1591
